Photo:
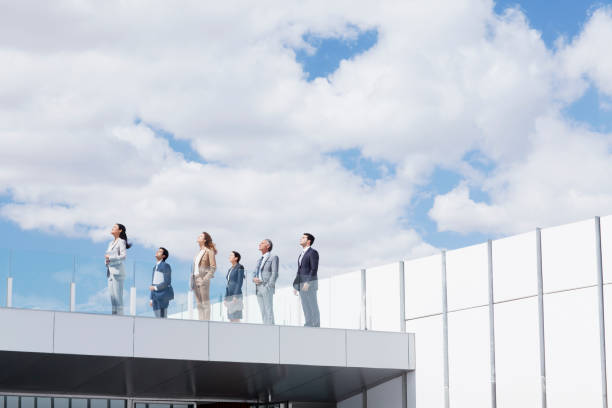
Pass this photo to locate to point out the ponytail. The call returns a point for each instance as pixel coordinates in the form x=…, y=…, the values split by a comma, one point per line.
x=123, y=235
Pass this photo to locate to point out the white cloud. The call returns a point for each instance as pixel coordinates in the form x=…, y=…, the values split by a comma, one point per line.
x=444, y=79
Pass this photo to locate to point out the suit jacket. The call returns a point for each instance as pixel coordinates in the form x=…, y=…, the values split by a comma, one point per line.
x=269, y=274
x=118, y=252
x=206, y=268
x=164, y=293
x=235, y=278
x=307, y=269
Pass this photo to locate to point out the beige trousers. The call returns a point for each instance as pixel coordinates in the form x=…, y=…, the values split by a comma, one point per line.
x=202, y=294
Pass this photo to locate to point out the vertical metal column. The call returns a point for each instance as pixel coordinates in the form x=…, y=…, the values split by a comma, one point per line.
x=402, y=288
x=445, y=332
x=73, y=285
x=602, y=324
x=364, y=321
x=9, y=281
x=133, y=291
x=541, y=316
x=492, y=325
x=402, y=316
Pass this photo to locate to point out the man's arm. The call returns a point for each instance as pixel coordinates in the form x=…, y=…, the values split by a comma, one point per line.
x=314, y=264
x=167, y=278
x=274, y=266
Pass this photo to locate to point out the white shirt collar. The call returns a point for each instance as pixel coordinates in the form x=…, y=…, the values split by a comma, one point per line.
x=305, y=249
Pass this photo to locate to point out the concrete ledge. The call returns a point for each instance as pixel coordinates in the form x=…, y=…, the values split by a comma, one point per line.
x=241, y=342
x=26, y=330
x=310, y=346
x=96, y=335
x=377, y=349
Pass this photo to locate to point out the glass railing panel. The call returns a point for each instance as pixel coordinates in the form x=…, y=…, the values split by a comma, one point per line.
x=288, y=311
x=517, y=353
x=346, y=300
x=41, y=280
x=573, y=366
x=606, y=247
x=515, y=267
x=467, y=277
x=91, y=286
x=325, y=300
x=383, y=298
x=469, y=368
x=423, y=280
x=568, y=256
x=430, y=364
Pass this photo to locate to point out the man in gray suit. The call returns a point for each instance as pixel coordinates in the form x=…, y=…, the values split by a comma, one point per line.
x=265, y=276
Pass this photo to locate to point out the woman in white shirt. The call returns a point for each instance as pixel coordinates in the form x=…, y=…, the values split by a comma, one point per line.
x=115, y=269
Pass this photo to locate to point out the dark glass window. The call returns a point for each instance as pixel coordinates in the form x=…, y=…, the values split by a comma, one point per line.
x=79, y=403
x=12, y=402
x=60, y=403
x=98, y=403
x=117, y=404
x=42, y=402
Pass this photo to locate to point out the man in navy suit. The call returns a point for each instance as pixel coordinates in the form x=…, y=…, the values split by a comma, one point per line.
x=161, y=286
x=306, y=282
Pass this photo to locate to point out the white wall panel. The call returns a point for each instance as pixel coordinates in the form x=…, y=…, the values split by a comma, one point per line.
x=568, y=256
x=423, y=280
x=517, y=354
x=383, y=298
x=26, y=330
x=346, y=300
x=468, y=358
x=467, y=277
x=429, y=361
x=515, y=267
x=608, y=327
x=387, y=394
x=573, y=375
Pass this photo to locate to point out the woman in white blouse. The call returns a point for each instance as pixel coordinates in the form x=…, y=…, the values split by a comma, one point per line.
x=115, y=269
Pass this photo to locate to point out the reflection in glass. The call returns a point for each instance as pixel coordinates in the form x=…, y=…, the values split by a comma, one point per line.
x=27, y=402
x=467, y=277
x=423, y=280
x=117, y=404
x=100, y=403
x=79, y=403
x=469, y=358
x=60, y=402
x=573, y=373
x=346, y=300
x=515, y=267
x=12, y=402
x=568, y=256
x=429, y=363
x=42, y=402
x=383, y=298
x=517, y=353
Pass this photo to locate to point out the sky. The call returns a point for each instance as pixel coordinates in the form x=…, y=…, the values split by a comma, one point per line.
x=388, y=130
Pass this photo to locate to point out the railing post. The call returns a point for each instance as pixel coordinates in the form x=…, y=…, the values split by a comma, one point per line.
x=9, y=281
x=402, y=311
x=9, y=291
x=72, y=296
x=190, y=305
x=445, y=332
x=602, y=324
x=133, y=291
x=364, y=320
x=541, y=317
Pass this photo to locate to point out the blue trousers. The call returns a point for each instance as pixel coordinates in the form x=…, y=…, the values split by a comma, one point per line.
x=310, y=306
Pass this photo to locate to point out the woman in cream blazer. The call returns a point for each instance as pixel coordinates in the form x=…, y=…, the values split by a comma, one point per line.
x=204, y=266
x=115, y=268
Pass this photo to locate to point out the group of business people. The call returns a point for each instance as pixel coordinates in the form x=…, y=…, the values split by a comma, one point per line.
x=264, y=276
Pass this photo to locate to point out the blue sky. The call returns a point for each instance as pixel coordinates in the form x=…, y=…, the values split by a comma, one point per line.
x=36, y=251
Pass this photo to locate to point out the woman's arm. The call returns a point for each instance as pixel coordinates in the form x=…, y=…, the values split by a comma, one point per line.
x=212, y=265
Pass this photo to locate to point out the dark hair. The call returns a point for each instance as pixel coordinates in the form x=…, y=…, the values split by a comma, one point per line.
x=123, y=235
x=208, y=242
x=165, y=251
x=237, y=255
x=309, y=237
